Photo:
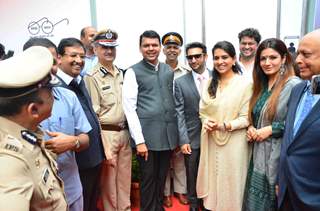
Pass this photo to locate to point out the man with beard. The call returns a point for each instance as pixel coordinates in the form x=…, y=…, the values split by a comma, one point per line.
x=71, y=54
x=172, y=42
x=188, y=89
x=249, y=40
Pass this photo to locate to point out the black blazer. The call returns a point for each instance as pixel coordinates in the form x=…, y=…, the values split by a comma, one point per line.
x=94, y=154
x=299, y=169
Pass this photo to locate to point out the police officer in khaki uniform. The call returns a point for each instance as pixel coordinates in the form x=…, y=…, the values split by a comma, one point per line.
x=28, y=176
x=172, y=42
x=104, y=84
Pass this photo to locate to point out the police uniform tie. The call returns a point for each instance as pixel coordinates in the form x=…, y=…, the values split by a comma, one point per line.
x=307, y=106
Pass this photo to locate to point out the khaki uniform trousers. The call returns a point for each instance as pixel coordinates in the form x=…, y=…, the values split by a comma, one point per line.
x=177, y=171
x=116, y=172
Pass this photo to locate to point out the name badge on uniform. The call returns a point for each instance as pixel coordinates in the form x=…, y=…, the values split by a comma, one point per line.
x=106, y=87
x=45, y=176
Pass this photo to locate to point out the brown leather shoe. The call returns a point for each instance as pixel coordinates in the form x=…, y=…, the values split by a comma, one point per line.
x=182, y=198
x=167, y=201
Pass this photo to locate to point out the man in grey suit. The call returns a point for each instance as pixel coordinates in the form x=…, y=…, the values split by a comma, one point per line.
x=188, y=90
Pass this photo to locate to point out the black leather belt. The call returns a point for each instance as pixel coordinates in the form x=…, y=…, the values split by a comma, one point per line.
x=114, y=127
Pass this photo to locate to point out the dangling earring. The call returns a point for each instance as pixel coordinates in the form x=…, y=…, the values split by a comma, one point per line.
x=282, y=69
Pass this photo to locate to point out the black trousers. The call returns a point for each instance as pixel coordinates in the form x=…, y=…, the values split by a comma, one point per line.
x=90, y=180
x=192, y=164
x=153, y=177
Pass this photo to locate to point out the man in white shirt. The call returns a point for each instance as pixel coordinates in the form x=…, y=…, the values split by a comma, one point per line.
x=249, y=40
x=150, y=110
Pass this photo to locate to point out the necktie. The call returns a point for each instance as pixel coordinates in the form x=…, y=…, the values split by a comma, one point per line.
x=74, y=85
x=307, y=106
x=201, y=83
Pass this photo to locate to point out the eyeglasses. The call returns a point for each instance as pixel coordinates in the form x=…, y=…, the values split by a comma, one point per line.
x=196, y=56
x=75, y=55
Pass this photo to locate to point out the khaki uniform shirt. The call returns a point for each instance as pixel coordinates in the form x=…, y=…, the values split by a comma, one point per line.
x=105, y=90
x=28, y=175
x=180, y=70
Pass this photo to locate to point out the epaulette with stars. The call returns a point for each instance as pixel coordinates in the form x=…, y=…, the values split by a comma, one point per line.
x=29, y=137
x=103, y=71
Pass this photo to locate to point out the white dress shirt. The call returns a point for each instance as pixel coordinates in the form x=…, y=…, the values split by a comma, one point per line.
x=67, y=78
x=129, y=100
x=205, y=77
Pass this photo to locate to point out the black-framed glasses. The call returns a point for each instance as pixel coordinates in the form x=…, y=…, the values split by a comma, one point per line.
x=196, y=56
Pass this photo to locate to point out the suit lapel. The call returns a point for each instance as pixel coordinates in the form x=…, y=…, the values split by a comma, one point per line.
x=192, y=84
x=311, y=117
x=296, y=96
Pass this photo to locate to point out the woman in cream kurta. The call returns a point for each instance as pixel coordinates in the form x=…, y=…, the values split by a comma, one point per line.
x=225, y=152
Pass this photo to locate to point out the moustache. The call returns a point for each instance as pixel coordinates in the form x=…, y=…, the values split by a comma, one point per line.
x=77, y=63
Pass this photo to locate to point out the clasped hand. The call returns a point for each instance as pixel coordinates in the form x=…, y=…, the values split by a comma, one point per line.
x=211, y=125
x=259, y=135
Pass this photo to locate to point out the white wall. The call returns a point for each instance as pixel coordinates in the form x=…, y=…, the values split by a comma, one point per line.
x=224, y=20
x=291, y=14
x=131, y=18
x=16, y=15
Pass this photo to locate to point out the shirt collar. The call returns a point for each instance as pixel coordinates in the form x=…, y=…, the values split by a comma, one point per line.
x=67, y=78
x=205, y=75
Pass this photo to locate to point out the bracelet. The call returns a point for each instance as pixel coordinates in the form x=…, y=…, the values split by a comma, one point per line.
x=77, y=143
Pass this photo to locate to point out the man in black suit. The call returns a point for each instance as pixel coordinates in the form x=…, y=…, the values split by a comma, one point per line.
x=299, y=171
x=71, y=54
x=188, y=90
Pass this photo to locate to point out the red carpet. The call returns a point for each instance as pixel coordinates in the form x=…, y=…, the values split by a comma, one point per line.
x=176, y=206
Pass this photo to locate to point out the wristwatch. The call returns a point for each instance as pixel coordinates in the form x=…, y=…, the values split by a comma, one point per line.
x=77, y=143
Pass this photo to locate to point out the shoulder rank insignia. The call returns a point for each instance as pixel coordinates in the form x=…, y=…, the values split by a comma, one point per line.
x=103, y=71
x=29, y=137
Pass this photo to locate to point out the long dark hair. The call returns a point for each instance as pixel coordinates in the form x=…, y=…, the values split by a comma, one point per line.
x=260, y=79
x=230, y=50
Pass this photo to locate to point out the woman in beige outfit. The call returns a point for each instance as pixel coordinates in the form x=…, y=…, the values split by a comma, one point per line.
x=225, y=152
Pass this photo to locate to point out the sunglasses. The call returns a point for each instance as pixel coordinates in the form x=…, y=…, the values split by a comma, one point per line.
x=196, y=56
